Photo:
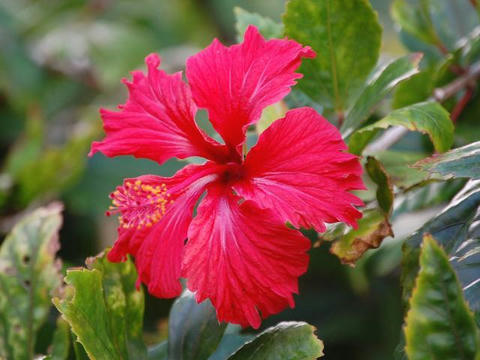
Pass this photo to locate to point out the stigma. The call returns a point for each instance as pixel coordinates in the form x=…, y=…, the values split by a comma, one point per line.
x=139, y=204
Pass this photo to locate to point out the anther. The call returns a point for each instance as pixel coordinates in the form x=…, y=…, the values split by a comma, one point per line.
x=139, y=204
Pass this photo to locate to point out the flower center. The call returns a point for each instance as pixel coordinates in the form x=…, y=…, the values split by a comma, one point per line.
x=232, y=173
x=139, y=204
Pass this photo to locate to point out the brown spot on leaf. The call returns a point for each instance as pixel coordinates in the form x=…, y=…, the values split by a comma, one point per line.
x=91, y=259
x=361, y=244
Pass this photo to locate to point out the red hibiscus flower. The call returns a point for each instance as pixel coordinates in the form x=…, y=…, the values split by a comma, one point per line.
x=237, y=251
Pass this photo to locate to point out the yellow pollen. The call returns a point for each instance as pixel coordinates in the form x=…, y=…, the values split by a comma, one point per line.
x=139, y=204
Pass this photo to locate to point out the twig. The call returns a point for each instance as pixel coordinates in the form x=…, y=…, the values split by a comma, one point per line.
x=446, y=92
x=442, y=48
x=457, y=110
x=393, y=135
x=474, y=3
x=340, y=118
x=389, y=137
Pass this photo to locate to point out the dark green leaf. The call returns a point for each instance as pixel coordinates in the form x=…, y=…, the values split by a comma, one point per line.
x=380, y=84
x=437, y=22
x=29, y=274
x=267, y=27
x=377, y=173
x=78, y=349
x=417, y=88
x=398, y=165
x=426, y=195
x=456, y=163
x=452, y=20
x=28, y=147
x=420, y=87
x=439, y=324
x=456, y=229
x=346, y=36
x=194, y=331
x=56, y=168
x=428, y=117
x=232, y=340
x=373, y=227
x=60, y=347
x=285, y=341
x=471, y=47
x=466, y=128
x=104, y=309
x=414, y=18
x=158, y=352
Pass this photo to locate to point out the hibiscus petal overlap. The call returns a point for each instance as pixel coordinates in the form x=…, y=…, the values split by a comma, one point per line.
x=157, y=122
x=155, y=215
x=237, y=251
x=300, y=169
x=236, y=83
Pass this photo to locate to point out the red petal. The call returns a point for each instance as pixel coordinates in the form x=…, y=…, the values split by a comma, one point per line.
x=236, y=83
x=157, y=242
x=157, y=121
x=242, y=258
x=300, y=169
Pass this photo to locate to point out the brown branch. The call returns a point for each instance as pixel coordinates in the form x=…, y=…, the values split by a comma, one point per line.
x=442, y=48
x=340, y=118
x=460, y=83
x=457, y=110
x=474, y=3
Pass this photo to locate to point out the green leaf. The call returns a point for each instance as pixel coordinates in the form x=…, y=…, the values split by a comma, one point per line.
x=439, y=324
x=440, y=23
x=56, y=168
x=415, y=19
x=60, y=347
x=194, y=331
x=452, y=20
x=232, y=340
x=456, y=163
x=270, y=114
x=104, y=309
x=426, y=195
x=471, y=48
x=417, y=88
x=373, y=227
x=398, y=165
x=285, y=341
x=427, y=117
x=456, y=229
x=420, y=86
x=346, y=36
x=29, y=146
x=380, y=84
x=267, y=27
x=29, y=273
x=384, y=194
x=158, y=352
x=78, y=349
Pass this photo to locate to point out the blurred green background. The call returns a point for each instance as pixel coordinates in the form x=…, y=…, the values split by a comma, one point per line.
x=60, y=60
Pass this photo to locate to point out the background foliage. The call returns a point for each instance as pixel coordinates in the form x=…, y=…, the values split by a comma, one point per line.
x=63, y=59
